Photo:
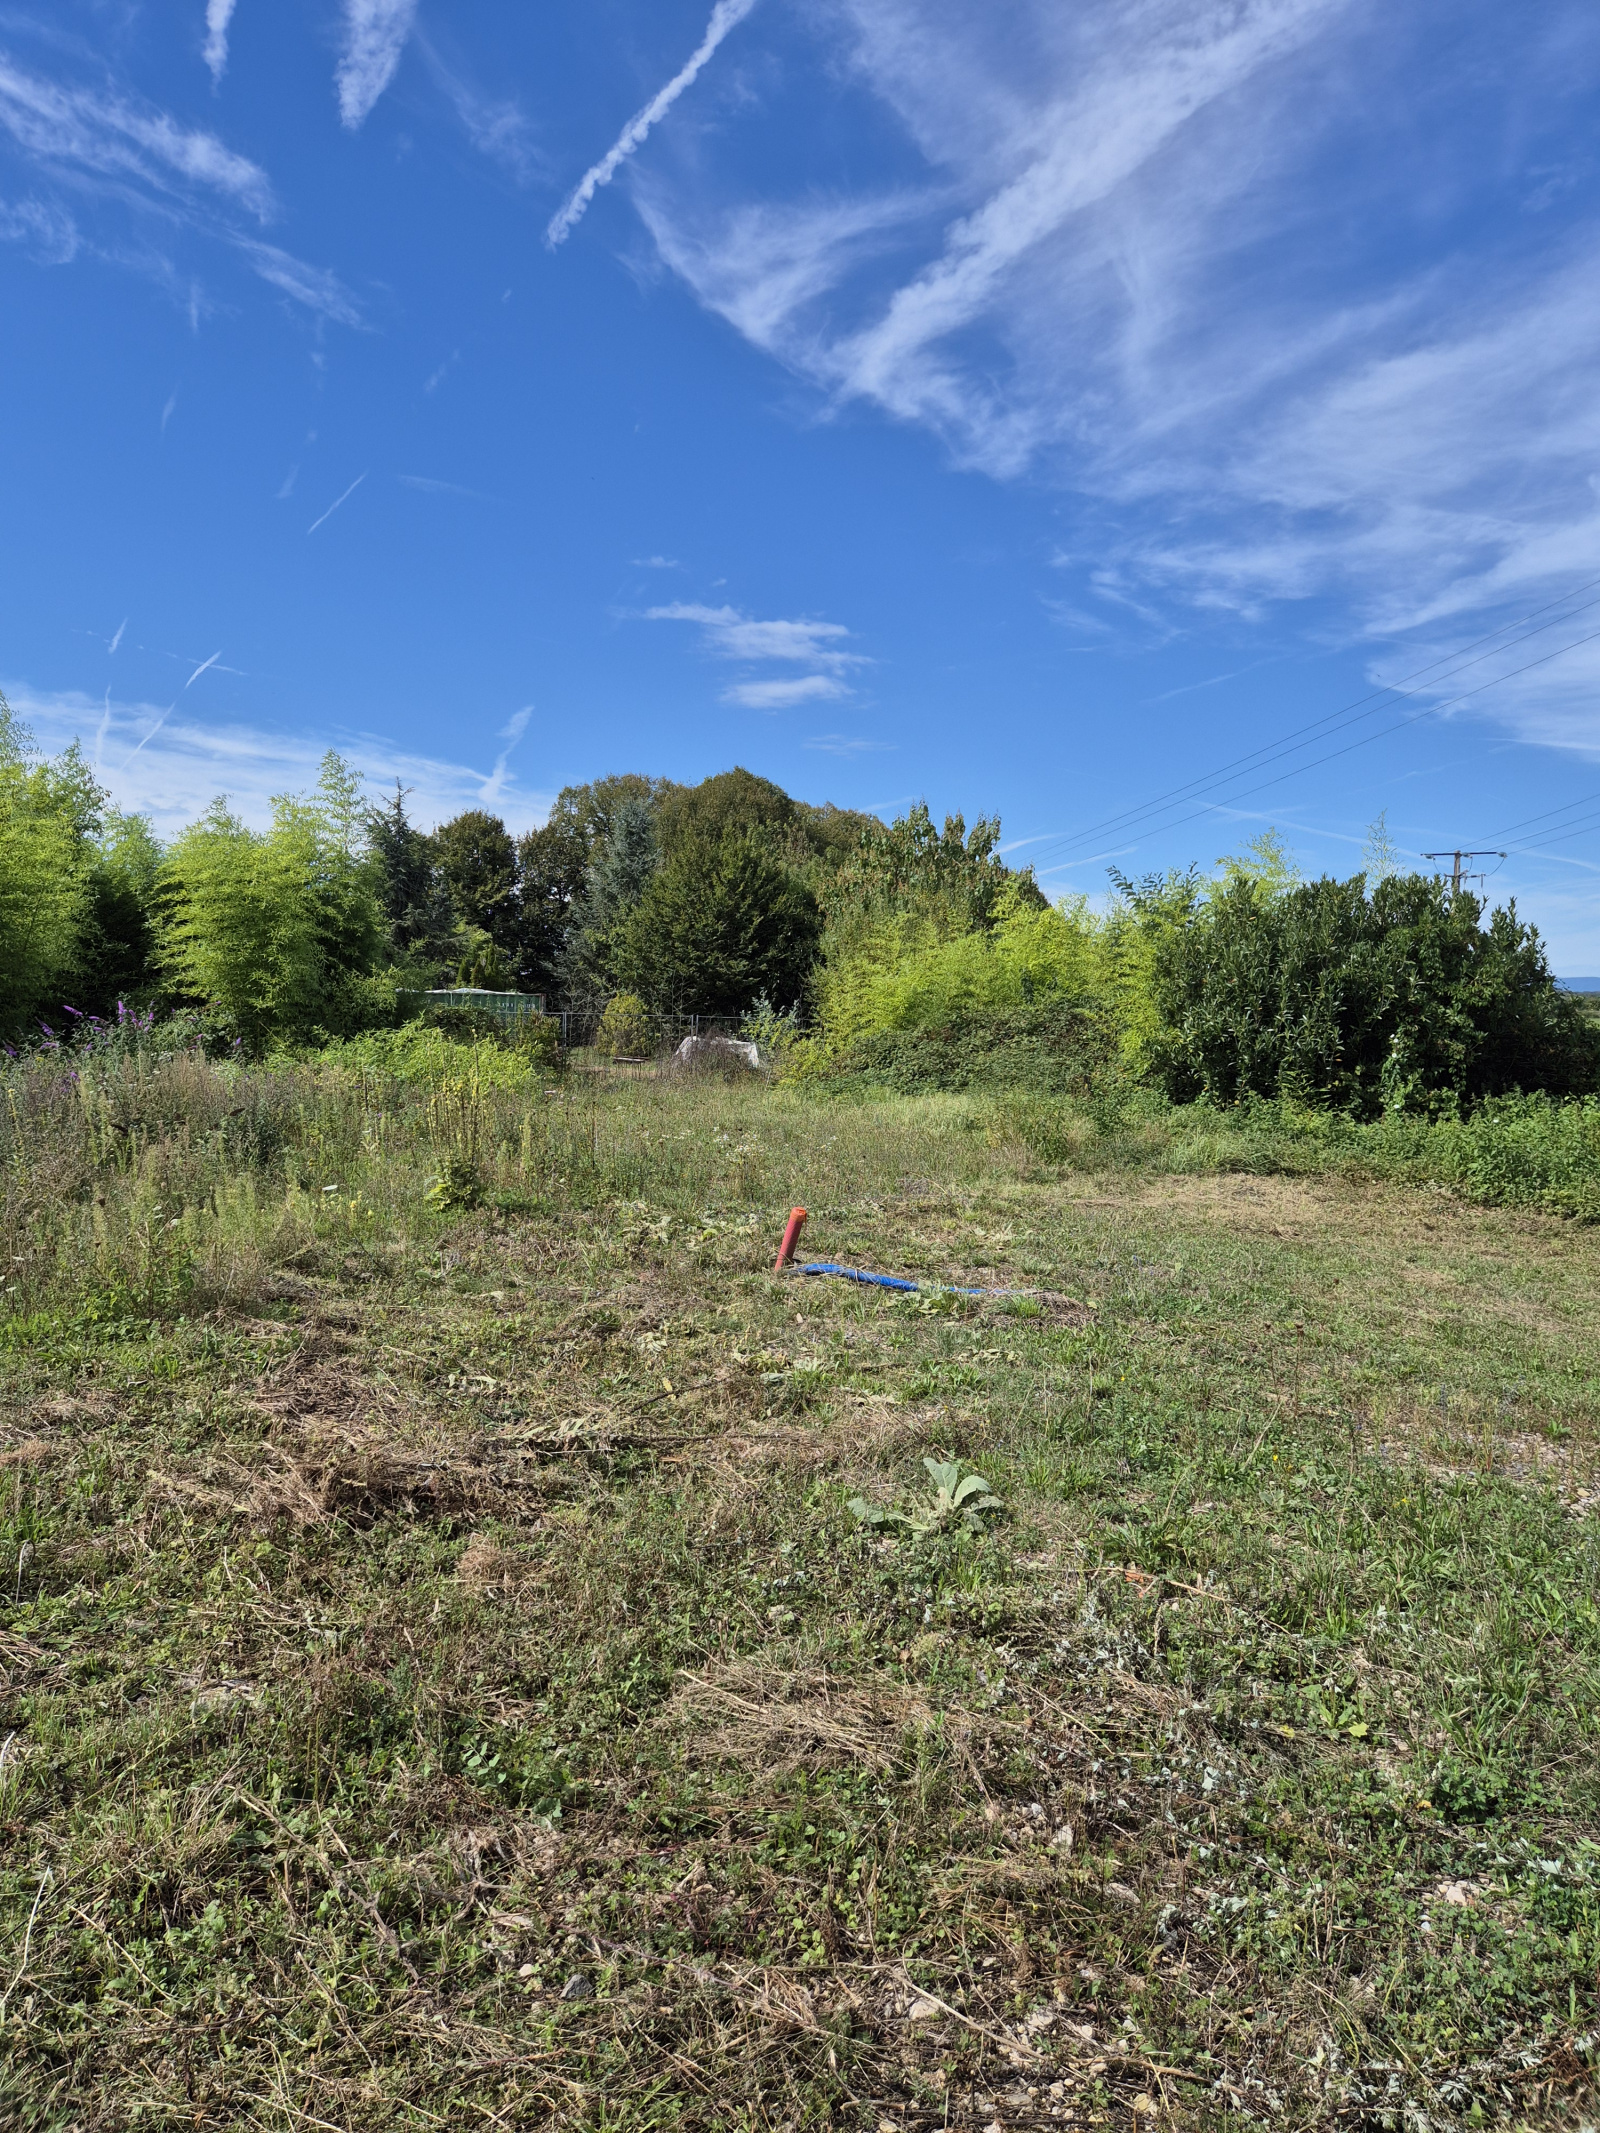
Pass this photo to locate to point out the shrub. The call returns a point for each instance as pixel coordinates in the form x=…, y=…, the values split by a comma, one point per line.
x=627, y=1028
x=428, y=1057
x=896, y=976
x=1058, y=1047
x=1396, y=999
x=536, y=1041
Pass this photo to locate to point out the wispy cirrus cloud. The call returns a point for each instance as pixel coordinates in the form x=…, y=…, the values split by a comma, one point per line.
x=375, y=33
x=316, y=288
x=845, y=744
x=496, y=126
x=427, y=484
x=43, y=229
x=101, y=148
x=726, y=15
x=156, y=762
x=113, y=136
x=511, y=732
x=1283, y=297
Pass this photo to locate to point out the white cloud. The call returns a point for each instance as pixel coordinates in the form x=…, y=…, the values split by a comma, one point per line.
x=430, y=487
x=114, y=137
x=782, y=695
x=219, y=13
x=726, y=15
x=45, y=231
x=751, y=640
x=1238, y=274
x=375, y=33
x=732, y=635
x=170, y=768
x=496, y=126
x=315, y=287
x=656, y=562
x=98, y=143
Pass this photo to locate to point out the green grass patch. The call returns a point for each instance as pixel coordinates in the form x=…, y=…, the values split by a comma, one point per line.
x=508, y=1663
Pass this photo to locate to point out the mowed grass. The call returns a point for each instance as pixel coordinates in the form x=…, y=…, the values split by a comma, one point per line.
x=446, y=1684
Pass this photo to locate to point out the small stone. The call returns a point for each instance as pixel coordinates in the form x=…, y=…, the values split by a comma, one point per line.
x=924, y=2011
x=526, y=1970
x=577, y=1987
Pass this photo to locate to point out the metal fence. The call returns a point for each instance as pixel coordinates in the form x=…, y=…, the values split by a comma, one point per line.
x=579, y=1024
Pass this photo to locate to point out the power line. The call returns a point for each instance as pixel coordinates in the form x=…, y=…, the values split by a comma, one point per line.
x=1573, y=829
x=1210, y=807
x=1565, y=809
x=1456, y=663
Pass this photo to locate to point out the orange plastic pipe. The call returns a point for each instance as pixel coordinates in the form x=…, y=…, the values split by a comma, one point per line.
x=791, y=1237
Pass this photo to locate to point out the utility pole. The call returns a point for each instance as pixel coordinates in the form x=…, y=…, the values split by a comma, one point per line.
x=1457, y=857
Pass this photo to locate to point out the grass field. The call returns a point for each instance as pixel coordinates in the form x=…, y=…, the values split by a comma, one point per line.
x=446, y=1683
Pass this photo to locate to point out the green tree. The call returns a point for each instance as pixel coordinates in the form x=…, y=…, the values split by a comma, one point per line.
x=274, y=933
x=1266, y=862
x=727, y=805
x=477, y=861
x=719, y=927
x=423, y=930
x=552, y=863
x=948, y=881
x=49, y=819
x=617, y=875
x=118, y=956
x=1381, y=853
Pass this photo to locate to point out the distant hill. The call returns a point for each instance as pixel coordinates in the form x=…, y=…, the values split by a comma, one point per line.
x=1579, y=984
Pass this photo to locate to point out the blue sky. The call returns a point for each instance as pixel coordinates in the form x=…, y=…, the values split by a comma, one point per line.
x=1089, y=413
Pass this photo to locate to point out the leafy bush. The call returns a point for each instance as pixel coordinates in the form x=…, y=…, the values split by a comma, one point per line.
x=627, y=1028
x=428, y=1057
x=1517, y=1151
x=896, y=976
x=1056, y=1048
x=1398, y=998
x=536, y=1040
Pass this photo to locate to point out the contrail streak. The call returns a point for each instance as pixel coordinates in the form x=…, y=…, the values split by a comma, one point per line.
x=726, y=15
x=154, y=730
x=200, y=669
x=338, y=500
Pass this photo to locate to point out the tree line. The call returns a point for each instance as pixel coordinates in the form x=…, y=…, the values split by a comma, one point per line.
x=648, y=899
x=690, y=898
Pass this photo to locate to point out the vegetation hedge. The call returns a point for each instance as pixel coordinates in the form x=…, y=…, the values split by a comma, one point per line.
x=1058, y=1047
